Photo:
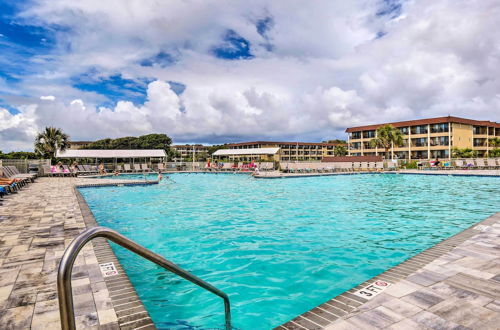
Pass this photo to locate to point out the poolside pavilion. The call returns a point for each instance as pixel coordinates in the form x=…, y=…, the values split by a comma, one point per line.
x=115, y=156
x=251, y=154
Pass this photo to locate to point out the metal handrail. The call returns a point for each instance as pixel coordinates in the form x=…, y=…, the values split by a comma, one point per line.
x=66, y=266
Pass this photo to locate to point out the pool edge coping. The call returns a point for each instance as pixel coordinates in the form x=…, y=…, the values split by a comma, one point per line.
x=346, y=303
x=116, y=285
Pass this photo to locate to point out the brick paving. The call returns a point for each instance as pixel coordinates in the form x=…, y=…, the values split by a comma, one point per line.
x=36, y=225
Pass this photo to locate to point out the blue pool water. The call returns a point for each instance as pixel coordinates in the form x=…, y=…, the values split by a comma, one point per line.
x=279, y=247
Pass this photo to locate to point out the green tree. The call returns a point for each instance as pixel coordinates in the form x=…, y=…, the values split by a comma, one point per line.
x=339, y=141
x=153, y=141
x=150, y=141
x=339, y=151
x=494, y=153
x=495, y=142
x=387, y=136
x=463, y=153
x=18, y=155
x=48, y=142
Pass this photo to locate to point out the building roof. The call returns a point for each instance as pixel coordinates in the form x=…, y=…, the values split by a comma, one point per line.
x=286, y=143
x=251, y=151
x=115, y=153
x=438, y=120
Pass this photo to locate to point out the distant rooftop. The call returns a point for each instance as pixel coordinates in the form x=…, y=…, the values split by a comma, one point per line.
x=114, y=153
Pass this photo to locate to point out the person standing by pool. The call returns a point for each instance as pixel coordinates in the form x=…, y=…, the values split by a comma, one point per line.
x=101, y=169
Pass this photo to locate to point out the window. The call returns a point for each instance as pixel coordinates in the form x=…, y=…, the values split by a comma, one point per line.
x=479, y=130
x=440, y=153
x=479, y=142
x=404, y=130
x=419, y=155
x=368, y=134
x=419, y=142
x=356, y=135
x=355, y=146
x=422, y=129
x=439, y=128
x=439, y=141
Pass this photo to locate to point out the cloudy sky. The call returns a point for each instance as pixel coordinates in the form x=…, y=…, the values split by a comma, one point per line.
x=219, y=71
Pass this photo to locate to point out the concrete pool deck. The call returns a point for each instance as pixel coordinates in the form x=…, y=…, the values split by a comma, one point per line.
x=461, y=273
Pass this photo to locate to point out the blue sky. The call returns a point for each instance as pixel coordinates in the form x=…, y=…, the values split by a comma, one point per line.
x=221, y=71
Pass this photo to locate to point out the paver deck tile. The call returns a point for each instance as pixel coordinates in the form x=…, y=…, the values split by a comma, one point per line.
x=458, y=290
x=37, y=224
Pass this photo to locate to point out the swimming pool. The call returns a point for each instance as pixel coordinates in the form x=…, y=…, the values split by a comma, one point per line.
x=279, y=247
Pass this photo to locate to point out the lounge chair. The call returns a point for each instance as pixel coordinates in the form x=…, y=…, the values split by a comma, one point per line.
x=22, y=179
x=161, y=168
x=137, y=167
x=491, y=163
x=88, y=169
x=470, y=163
x=480, y=163
x=15, y=172
x=126, y=168
x=145, y=168
x=460, y=164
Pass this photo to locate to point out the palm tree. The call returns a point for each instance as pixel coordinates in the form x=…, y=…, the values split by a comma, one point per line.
x=48, y=142
x=387, y=137
x=340, y=151
x=495, y=142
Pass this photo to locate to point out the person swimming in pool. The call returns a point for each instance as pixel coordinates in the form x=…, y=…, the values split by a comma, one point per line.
x=160, y=177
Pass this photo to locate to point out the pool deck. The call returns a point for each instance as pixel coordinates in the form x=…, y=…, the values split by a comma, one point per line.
x=278, y=174
x=37, y=225
x=454, y=284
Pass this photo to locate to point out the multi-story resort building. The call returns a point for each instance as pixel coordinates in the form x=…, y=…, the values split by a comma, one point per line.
x=190, y=151
x=428, y=138
x=276, y=151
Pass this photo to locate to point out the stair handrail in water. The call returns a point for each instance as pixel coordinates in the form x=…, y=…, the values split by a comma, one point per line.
x=64, y=288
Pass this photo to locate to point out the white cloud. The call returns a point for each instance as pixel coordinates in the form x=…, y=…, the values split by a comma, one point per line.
x=326, y=69
x=48, y=98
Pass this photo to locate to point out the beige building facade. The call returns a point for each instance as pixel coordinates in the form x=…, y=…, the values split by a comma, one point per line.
x=428, y=138
x=287, y=151
x=188, y=151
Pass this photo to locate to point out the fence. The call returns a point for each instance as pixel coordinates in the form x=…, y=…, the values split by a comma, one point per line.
x=23, y=164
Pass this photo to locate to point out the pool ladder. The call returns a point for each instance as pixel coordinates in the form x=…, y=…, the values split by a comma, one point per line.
x=65, y=267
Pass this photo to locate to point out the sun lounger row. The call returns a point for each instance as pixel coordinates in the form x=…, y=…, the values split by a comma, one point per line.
x=469, y=163
x=229, y=166
x=11, y=180
x=331, y=167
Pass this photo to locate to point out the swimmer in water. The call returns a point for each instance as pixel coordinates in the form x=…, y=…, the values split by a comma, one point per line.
x=160, y=177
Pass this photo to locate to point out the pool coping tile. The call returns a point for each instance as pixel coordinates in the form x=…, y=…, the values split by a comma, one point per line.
x=121, y=291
